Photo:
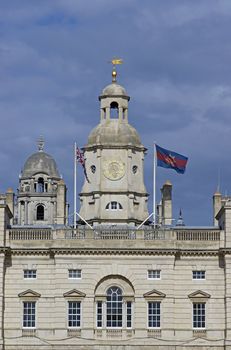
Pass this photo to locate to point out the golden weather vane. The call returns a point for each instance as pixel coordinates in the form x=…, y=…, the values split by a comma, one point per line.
x=115, y=62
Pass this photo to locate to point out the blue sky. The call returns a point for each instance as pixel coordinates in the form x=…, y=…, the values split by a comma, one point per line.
x=54, y=63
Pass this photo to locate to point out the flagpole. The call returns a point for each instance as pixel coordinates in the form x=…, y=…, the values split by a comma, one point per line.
x=154, y=184
x=75, y=176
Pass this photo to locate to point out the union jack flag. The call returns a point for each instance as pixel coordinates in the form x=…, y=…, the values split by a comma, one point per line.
x=80, y=159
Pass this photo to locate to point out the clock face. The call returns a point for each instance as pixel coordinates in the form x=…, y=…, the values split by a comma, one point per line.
x=114, y=169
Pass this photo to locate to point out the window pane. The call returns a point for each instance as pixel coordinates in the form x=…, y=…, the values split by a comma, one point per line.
x=197, y=275
x=29, y=314
x=29, y=273
x=129, y=314
x=74, y=313
x=74, y=273
x=154, y=314
x=154, y=274
x=199, y=315
x=99, y=311
x=114, y=307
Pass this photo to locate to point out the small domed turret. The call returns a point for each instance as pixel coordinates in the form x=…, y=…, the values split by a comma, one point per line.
x=42, y=192
x=40, y=162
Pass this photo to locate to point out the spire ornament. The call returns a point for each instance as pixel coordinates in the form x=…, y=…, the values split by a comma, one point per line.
x=115, y=62
x=40, y=143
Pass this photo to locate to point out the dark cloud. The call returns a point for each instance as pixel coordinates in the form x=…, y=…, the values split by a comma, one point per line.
x=53, y=66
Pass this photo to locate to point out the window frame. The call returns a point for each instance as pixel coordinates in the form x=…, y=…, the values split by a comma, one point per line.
x=196, y=275
x=35, y=313
x=32, y=277
x=118, y=302
x=153, y=302
x=193, y=315
x=131, y=314
x=154, y=278
x=39, y=213
x=80, y=314
x=127, y=317
x=114, y=206
x=102, y=314
x=74, y=278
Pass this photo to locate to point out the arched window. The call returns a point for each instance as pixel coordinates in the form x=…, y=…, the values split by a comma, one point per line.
x=114, y=307
x=114, y=110
x=114, y=303
x=40, y=212
x=40, y=187
x=114, y=206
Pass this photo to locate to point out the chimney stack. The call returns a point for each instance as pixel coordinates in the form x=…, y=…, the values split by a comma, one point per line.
x=167, y=203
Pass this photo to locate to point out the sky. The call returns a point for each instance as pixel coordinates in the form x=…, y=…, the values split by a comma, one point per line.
x=177, y=56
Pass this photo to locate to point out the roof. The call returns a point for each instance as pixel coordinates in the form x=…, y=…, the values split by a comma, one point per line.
x=113, y=132
x=40, y=162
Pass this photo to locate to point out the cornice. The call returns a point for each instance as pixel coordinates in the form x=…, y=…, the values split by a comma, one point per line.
x=99, y=221
x=112, y=251
x=138, y=194
x=100, y=146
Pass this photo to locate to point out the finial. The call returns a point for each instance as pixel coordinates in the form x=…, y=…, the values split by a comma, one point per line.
x=114, y=62
x=40, y=144
x=180, y=221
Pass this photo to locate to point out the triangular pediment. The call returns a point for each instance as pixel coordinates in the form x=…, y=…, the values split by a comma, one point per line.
x=199, y=294
x=154, y=294
x=29, y=293
x=74, y=293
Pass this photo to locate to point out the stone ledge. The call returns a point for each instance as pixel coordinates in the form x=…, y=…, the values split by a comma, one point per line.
x=199, y=333
x=74, y=332
x=154, y=333
x=28, y=332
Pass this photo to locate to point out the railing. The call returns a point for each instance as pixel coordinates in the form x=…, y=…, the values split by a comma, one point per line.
x=198, y=235
x=78, y=233
x=114, y=233
x=154, y=234
x=30, y=234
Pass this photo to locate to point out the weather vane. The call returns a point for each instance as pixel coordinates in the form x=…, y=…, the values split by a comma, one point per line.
x=40, y=143
x=114, y=63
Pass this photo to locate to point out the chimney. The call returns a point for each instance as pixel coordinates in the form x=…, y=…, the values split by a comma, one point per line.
x=216, y=206
x=10, y=201
x=61, y=203
x=167, y=203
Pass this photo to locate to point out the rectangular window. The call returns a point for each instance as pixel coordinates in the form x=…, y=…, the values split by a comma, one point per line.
x=30, y=274
x=74, y=274
x=29, y=314
x=153, y=274
x=154, y=314
x=129, y=314
x=198, y=315
x=99, y=312
x=198, y=275
x=74, y=314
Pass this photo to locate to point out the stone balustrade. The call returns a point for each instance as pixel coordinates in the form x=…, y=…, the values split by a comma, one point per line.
x=111, y=233
x=30, y=234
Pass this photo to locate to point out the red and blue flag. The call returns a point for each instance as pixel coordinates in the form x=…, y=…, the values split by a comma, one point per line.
x=171, y=160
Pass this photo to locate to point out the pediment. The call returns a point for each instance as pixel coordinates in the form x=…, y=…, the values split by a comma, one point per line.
x=199, y=294
x=74, y=293
x=29, y=293
x=154, y=294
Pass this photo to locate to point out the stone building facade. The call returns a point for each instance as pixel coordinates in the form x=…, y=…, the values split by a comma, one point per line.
x=119, y=284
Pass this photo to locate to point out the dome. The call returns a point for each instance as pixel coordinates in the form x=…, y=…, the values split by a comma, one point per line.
x=40, y=162
x=112, y=132
x=114, y=89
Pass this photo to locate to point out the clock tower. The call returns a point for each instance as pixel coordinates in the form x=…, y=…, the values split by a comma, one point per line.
x=114, y=154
